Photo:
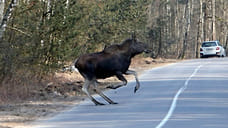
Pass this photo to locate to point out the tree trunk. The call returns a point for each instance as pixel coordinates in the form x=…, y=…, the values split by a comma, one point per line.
x=226, y=42
x=199, y=31
x=213, y=21
x=49, y=9
x=160, y=43
x=177, y=28
x=204, y=21
x=187, y=27
x=2, y=6
x=6, y=17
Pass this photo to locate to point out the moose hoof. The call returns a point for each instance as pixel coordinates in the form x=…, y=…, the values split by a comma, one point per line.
x=96, y=102
x=113, y=103
x=135, y=90
x=99, y=104
x=111, y=87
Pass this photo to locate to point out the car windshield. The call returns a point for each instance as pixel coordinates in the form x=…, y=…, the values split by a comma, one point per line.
x=209, y=44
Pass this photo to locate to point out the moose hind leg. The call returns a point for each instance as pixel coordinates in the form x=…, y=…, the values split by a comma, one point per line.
x=85, y=89
x=121, y=78
x=98, y=91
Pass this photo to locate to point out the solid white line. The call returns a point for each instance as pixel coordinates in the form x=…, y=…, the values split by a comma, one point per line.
x=173, y=105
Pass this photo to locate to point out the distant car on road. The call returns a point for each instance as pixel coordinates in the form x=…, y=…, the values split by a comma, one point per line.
x=212, y=48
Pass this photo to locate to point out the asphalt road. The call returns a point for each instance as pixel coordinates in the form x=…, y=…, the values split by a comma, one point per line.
x=189, y=94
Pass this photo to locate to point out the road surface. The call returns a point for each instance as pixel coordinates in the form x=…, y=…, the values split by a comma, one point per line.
x=189, y=94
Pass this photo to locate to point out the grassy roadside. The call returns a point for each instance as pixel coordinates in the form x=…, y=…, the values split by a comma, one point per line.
x=61, y=93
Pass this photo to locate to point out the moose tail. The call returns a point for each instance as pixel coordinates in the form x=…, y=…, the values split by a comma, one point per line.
x=71, y=68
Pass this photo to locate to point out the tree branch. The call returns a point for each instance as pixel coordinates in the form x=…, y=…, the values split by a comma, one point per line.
x=18, y=30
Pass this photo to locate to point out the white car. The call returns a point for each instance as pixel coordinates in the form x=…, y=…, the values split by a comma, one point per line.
x=212, y=48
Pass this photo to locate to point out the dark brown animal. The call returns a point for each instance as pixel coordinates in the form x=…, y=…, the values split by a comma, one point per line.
x=112, y=61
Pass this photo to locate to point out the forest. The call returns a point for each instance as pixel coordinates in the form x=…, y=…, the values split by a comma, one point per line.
x=38, y=37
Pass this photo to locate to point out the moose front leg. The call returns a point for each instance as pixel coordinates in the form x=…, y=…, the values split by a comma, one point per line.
x=130, y=72
x=120, y=76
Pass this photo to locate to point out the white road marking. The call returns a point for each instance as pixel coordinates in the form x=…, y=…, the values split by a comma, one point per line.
x=173, y=105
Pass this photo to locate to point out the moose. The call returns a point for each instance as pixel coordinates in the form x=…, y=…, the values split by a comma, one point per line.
x=114, y=60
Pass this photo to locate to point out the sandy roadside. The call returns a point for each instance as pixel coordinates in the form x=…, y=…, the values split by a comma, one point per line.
x=57, y=97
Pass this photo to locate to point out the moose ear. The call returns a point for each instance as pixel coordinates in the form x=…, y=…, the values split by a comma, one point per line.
x=133, y=36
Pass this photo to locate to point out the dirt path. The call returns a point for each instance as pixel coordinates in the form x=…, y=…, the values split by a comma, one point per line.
x=61, y=94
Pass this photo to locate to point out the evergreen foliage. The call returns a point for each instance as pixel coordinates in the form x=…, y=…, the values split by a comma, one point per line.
x=42, y=35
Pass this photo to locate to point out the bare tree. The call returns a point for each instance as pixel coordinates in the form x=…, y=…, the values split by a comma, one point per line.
x=213, y=20
x=6, y=16
x=199, y=30
x=226, y=43
x=2, y=6
x=187, y=15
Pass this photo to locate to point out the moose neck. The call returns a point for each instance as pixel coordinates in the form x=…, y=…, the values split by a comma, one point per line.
x=134, y=54
x=128, y=50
